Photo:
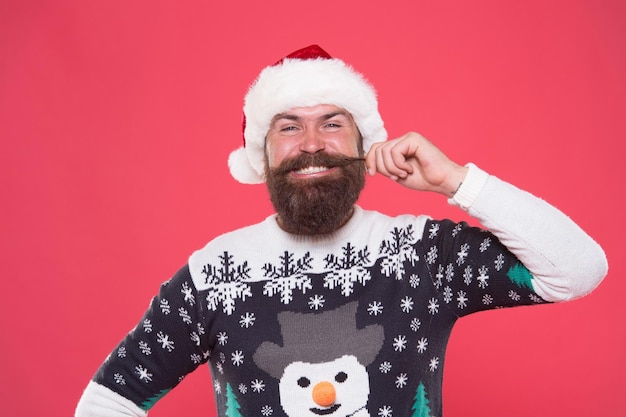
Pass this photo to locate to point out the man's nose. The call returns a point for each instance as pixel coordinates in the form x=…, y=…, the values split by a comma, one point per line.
x=312, y=141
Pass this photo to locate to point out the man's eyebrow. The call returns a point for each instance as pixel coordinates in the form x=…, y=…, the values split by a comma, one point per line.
x=289, y=116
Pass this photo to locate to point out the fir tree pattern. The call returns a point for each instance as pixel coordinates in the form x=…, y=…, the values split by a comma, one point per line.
x=227, y=283
x=289, y=275
x=397, y=250
x=347, y=269
x=232, y=405
x=420, y=405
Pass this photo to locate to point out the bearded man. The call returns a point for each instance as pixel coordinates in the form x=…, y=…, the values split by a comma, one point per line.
x=325, y=308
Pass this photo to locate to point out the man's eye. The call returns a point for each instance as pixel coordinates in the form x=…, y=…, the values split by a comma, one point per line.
x=288, y=128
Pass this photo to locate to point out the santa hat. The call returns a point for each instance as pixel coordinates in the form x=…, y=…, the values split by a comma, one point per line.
x=304, y=78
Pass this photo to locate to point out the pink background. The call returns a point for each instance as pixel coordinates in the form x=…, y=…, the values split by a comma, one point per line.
x=117, y=117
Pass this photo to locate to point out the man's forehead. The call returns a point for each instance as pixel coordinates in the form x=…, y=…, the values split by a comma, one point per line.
x=322, y=111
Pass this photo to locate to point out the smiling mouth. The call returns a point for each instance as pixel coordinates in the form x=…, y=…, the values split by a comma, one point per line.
x=311, y=170
x=325, y=411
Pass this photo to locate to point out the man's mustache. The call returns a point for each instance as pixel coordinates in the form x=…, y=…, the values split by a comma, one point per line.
x=319, y=160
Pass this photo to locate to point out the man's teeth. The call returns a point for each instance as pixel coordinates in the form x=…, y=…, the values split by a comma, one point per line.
x=311, y=170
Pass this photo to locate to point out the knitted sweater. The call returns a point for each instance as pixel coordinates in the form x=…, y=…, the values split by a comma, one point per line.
x=351, y=324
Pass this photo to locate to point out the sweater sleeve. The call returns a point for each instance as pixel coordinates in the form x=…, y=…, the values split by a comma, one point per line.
x=169, y=342
x=566, y=263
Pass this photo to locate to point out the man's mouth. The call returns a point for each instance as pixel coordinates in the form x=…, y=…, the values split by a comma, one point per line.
x=311, y=170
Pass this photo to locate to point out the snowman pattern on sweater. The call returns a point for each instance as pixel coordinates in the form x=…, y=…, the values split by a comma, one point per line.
x=282, y=321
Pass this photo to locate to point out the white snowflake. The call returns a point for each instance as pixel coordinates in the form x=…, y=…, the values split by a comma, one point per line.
x=217, y=387
x=184, y=315
x=222, y=357
x=401, y=380
x=514, y=295
x=485, y=244
x=257, y=385
x=267, y=410
x=385, y=411
x=433, y=306
x=414, y=280
x=195, y=337
x=462, y=299
x=456, y=229
x=431, y=256
x=399, y=343
x=195, y=358
x=200, y=329
x=468, y=274
x=222, y=338
x=165, y=341
x=243, y=388
x=433, y=231
x=439, y=276
x=188, y=293
x=449, y=272
x=415, y=324
x=535, y=299
x=119, y=379
x=422, y=344
x=483, y=277
x=375, y=308
x=165, y=306
x=247, y=320
x=237, y=358
x=220, y=368
x=462, y=254
x=147, y=326
x=447, y=294
x=121, y=352
x=143, y=373
x=487, y=299
x=316, y=302
x=384, y=367
x=499, y=262
x=406, y=304
x=145, y=348
x=433, y=364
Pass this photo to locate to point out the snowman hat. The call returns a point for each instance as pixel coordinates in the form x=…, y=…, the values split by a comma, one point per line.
x=319, y=338
x=304, y=78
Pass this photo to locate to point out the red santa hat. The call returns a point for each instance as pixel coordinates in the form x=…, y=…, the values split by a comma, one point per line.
x=304, y=78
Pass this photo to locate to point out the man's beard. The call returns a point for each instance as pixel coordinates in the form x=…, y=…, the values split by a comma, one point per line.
x=312, y=206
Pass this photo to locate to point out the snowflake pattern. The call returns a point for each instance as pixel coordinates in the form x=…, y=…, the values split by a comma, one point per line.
x=375, y=308
x=385, y=367
x=399, y=343
x=316, y=302
x=247, y=320
x=385, y=411
x=348, y=269
x=257, y=385
x=406, y=304
x=401, y=380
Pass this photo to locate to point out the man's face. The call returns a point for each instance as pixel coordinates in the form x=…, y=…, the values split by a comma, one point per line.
x=313, y=168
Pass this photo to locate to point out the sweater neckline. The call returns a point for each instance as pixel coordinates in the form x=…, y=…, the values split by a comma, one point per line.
x=348, y=229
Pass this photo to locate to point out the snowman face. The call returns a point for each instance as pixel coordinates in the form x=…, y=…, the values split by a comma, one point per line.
x=338, y=388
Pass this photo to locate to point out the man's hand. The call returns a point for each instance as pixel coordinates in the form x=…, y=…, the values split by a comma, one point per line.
x=413, y=161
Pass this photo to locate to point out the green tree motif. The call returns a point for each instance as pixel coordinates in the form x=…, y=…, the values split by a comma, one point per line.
x=520, y=276
x=420, y=406
x=232, y=405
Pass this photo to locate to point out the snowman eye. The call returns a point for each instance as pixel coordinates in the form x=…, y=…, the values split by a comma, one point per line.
x=304, y=382
x=341, y=377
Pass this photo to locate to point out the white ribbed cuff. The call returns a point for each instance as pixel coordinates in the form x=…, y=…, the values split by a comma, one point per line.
x=471, y=187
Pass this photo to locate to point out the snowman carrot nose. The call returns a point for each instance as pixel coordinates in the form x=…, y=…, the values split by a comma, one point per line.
x=324, y=394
